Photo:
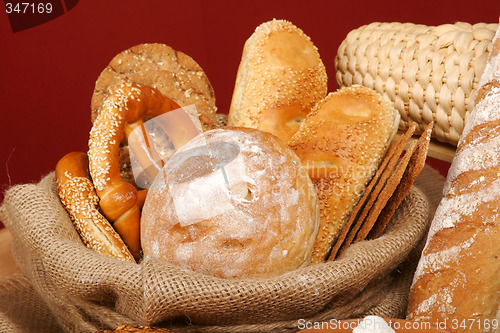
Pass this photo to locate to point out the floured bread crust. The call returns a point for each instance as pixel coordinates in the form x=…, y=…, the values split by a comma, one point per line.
x=458, y=276
x=256, y=217
x=280, y=79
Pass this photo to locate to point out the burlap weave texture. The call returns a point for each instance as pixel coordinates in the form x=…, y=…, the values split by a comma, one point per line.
x=71, y=288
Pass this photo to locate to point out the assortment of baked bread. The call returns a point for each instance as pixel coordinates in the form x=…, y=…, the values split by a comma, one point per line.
x=296, y=176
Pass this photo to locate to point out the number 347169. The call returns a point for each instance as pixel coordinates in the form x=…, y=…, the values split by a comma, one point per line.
x=28, y=8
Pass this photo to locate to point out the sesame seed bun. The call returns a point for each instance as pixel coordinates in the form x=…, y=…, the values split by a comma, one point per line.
x=280, y=79
x=173, y=73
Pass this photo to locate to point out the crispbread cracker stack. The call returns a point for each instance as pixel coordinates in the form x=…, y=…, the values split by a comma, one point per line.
x=388, y=188
x=342, y=142
x=371, y=192
x=415, y=166
x=404, y=163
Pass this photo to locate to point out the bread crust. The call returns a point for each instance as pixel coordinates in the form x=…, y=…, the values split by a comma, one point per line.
x=342, y=142
x=458, y=276
x=122, y=112
x=78, y=196
x=261, y=223
x=173, y=73
x=280, y=79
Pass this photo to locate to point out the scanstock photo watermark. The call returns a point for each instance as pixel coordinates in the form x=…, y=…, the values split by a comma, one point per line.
x=487, y=325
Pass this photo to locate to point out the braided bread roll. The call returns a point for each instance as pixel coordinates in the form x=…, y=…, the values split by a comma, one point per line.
x=122, y=112
x=458, y=277
x=428, y=73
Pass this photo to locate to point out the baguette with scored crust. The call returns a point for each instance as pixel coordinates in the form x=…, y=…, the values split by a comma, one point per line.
x=457, y=281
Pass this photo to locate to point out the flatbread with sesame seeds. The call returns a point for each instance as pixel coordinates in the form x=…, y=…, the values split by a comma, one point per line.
x=173, y=73
x=342, y=142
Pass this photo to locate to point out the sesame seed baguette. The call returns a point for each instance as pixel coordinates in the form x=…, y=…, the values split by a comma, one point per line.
x=78, y=196
x=280, y=79
x=120, y=201
x=342, y=143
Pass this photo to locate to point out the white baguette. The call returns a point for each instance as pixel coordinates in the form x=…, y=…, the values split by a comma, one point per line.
x=457, y=281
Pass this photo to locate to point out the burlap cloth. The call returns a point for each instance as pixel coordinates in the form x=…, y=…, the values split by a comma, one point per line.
x=66, y=287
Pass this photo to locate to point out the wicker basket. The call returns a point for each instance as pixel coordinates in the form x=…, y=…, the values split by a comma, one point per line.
x=429, y=73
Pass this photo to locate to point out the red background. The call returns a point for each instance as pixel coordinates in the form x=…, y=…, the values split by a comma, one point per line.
x=48, y=72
